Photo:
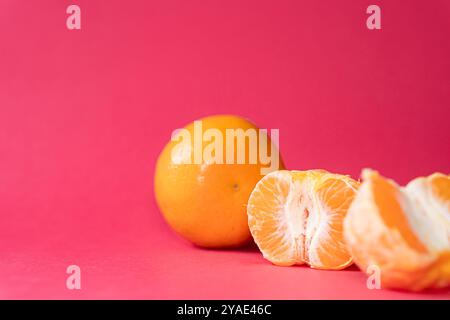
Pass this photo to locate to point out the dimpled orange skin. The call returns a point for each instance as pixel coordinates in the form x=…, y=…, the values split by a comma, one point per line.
x=206, y=203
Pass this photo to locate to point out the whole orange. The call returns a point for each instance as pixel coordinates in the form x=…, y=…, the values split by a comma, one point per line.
x=205, y=174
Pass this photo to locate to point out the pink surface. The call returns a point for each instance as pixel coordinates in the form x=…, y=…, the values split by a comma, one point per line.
x=84, y=114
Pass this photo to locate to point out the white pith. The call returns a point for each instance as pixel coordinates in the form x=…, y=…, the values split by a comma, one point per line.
x=302, y=220
x=427, y=215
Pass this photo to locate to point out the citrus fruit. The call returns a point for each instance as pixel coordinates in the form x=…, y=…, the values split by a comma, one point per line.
x=204, y=200
x=404, y=232
x=296, y=217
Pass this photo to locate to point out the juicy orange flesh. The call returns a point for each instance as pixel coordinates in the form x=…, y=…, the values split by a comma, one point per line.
x=387, y=199
x=336, y=196
x=281, y=230
x=271, y=237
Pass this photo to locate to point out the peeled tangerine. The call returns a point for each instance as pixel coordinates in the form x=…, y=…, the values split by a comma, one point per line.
x=296, y=217
x=404, y=232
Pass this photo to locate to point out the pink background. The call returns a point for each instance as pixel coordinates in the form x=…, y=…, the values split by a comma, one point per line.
x=84, y=114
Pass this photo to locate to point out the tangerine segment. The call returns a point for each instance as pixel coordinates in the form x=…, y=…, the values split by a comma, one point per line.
x=296, y=217
x=400, y=231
